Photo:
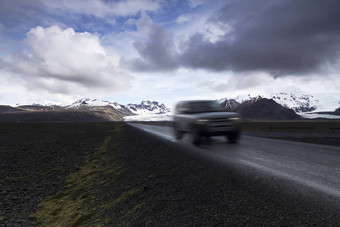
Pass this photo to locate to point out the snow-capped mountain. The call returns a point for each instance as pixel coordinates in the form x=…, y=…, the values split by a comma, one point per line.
x=148, y=107
x=97, y=104
x=94, y=102
x=297, y=100
x=328, y=102
x=229, y=104
x=293, y=98
x=265, y=109
x=248, y=98
x=258, y=108
x=145, y=107
x=234, y=103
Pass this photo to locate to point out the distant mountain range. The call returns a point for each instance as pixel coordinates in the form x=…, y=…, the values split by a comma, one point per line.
x=145, y=107
x=278, y=106
x=259, y=108
x=304, y=104
x=81, y=110
x=295, y=99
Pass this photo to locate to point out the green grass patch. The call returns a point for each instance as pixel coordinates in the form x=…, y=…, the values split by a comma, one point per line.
x=14, y=179
x=49, y=171
x=83, y=202
x=71, y=206
x=3, y=218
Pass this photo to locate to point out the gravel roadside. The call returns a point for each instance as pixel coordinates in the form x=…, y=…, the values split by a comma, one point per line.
x=114, y=175
x=34, y=161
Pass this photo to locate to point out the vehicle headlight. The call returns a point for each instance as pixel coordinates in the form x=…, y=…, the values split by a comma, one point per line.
x=202, y=121
x=234, y=118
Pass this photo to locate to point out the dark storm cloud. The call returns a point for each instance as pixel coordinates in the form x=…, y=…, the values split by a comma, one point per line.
x=279, y=37
x=158, y=53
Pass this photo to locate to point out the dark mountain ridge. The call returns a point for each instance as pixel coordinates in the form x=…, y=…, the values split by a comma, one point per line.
x=4, y=108
x=83, y=110
x=261, y=109
x=256, y=108
x=337, y=111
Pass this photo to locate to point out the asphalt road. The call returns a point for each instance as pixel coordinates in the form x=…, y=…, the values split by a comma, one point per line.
x=310, y=169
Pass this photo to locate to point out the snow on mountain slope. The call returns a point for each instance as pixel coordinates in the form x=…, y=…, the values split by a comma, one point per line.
x=302, y=101
x=148, y=107
x=292, y=98
x=94, y=102
x=229, y=104
x=248, y=98
x=315, y=115
x=297, y=100
x=328, y=102
x=144, y=108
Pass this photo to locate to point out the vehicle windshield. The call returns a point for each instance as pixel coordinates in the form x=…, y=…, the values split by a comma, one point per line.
x=207, y=106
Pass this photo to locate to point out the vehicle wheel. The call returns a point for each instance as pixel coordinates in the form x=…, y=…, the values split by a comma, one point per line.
x=194, y=137
x=233, y=137
x=178, y=134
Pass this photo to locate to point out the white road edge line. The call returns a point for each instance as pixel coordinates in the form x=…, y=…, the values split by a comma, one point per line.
x=164, y=136
x=308, y=183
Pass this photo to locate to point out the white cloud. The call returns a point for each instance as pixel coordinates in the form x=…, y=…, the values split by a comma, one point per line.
x=100, y=8
x=67, y=62
x=183, y=18
x=214, y=32
x=196, y=3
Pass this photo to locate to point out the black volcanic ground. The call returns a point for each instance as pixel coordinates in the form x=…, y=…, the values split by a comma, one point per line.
x=112, y=174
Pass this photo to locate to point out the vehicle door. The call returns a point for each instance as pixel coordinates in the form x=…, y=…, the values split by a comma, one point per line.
x=186, y=117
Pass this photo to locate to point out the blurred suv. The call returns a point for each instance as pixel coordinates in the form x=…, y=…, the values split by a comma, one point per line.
x=205, y=119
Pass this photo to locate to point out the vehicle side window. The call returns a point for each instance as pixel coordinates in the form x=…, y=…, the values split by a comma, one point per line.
x=182, y=108
x=179, y=108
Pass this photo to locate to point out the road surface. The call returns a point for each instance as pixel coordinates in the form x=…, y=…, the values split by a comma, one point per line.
x=299, y=167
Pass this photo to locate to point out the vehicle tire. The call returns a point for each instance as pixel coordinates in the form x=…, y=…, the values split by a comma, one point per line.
x=233, y=137
x=195, y=137
x=178, y=134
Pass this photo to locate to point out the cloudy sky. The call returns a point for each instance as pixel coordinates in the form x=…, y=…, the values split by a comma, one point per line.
x=166, y=50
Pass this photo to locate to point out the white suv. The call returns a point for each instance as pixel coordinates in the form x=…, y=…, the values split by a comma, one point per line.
x=205, y=119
